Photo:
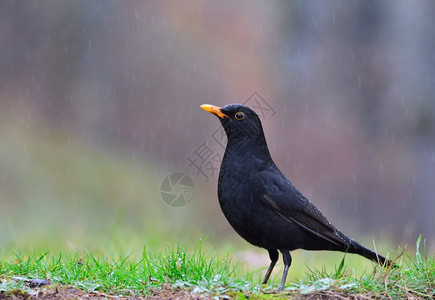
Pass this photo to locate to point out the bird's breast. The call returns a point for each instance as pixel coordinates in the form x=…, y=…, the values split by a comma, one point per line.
x=243, y=209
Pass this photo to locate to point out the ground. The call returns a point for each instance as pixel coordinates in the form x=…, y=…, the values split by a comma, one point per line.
x=67, y=292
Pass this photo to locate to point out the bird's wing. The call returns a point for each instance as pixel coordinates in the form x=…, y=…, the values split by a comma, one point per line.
x=279, y=194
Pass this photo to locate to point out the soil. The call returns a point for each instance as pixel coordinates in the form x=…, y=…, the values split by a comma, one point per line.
x=74, y=293
x=167, y=292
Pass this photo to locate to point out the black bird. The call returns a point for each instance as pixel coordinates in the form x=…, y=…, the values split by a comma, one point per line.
x=262, y=205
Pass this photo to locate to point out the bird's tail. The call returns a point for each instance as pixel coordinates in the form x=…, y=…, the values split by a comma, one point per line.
x=357, y=248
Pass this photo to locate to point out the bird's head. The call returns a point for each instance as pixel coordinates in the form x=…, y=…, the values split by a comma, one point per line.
x=239, y=121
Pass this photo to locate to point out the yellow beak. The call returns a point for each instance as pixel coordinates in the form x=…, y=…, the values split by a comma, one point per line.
x=216, y=110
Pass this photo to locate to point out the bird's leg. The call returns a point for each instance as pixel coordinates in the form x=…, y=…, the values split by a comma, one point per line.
x=273, y=254
x=287, y=262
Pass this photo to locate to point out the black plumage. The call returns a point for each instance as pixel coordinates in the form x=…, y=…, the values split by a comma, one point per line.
x=262, y=205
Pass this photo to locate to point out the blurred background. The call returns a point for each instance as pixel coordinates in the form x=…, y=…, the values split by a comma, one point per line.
x=99, y=102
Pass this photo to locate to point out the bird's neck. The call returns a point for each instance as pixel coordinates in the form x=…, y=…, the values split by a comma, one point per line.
x=255, y=147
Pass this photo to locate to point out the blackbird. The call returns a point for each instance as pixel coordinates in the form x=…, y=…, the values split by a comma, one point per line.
x=262, y=205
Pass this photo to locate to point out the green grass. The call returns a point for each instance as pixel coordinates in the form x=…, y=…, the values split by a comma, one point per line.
x=414, y=277
x=203, y=271
x=200, y=270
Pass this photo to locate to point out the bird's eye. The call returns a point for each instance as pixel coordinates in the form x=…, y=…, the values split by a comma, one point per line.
x=239, y=115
